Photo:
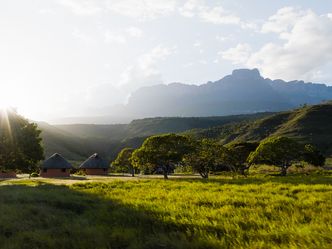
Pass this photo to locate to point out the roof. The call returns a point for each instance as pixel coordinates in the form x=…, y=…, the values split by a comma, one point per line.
x=56, y=161
x=94, y=162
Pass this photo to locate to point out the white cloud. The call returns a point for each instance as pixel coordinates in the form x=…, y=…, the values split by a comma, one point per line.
x=213, y=14
x=142, y=9
x=283, y=21
x=218, y=15
x=148, y=61
x=82, y=7
x=111, y=37
x=83, y=36
x=190, y=8
x=145, y=71
x=134, y=32
x=223, y=38
x=306, y=45
x=238, y=55
x=197, y=44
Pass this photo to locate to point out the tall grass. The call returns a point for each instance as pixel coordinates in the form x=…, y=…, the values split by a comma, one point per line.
x=257, y=212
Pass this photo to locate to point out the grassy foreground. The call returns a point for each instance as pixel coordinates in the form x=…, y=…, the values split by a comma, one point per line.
x=258, y=212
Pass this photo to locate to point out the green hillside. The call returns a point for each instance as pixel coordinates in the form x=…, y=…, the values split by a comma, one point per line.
x=77, y=141
x=310, y=124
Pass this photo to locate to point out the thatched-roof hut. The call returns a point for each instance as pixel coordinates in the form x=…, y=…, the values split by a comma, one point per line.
x=55, y=166
x=95, y=165
x=7, y=174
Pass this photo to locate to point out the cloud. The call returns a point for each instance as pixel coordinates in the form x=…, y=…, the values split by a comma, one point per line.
x=134, y=32
x=238, y=55
x=213, y=14
x=82, y=7
x=122, y=37
x=283, y=21
x=78, y=34
x=190, y=8
x=218, y=15
x=305, y=45
x=145, y=71
x=111, y=37
x=142, y=9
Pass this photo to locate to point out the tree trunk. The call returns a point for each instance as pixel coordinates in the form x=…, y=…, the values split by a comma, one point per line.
x=204, y=175
x=243, y=170
x=132, y=172
x=284, y=170
x=165, y=172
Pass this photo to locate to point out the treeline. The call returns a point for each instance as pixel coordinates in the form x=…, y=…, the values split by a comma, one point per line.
x=165, y=153
x=20, y=143
x=21, y=151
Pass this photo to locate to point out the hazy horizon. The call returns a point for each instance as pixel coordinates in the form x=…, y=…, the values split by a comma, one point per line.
x=68, y=58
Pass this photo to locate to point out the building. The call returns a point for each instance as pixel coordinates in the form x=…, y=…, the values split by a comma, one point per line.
x=95, y=165
x=55, y=166
x=8, y=174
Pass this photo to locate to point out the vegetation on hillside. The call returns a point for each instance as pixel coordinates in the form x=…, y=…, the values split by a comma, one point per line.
x=308, y=124
x=76, y=142
x=20, y=143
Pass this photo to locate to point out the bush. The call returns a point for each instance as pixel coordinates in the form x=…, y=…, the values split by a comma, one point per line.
x=34, y=174
x=80, y=172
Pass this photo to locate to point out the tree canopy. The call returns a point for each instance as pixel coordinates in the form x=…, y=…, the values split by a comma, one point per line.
x=161, y=152
x=239, y=153
x=206, y=156
x=20, y=143
x=313, y=156
x=278, y=151
x=123, y=162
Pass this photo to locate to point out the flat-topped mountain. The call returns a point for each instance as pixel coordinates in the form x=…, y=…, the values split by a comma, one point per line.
x=244, y=91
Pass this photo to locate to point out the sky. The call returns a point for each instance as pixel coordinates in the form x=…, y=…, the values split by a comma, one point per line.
x=62, y=58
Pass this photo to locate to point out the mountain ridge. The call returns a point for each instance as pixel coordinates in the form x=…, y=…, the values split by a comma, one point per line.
x=244, y=91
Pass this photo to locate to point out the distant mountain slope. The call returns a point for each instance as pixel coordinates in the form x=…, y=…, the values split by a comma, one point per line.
x=76, y=142
x=311, y=124
x=151, y=126
x=57, y=140
x=244, y=91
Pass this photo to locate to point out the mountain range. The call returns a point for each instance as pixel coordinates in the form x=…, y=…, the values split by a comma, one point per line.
x=244, y=91
x=239, y=107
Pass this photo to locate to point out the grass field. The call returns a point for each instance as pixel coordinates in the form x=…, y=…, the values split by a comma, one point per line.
x=253, y=212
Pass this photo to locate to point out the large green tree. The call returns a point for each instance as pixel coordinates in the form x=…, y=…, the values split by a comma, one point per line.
x=20, y=143
x=313, y=156
x=205, y=156
x=161, y=152
x=239, y=153
x=123, y=163
x=278, y=151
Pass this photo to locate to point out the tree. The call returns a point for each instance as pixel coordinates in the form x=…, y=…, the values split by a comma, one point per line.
x=205, y=157
x=313, y=156
x=20, y=143
x=278, y=151
x=123, y=163
x=239, y=153
x=161, y=152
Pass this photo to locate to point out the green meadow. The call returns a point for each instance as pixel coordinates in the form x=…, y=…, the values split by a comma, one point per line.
x=256, y=212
